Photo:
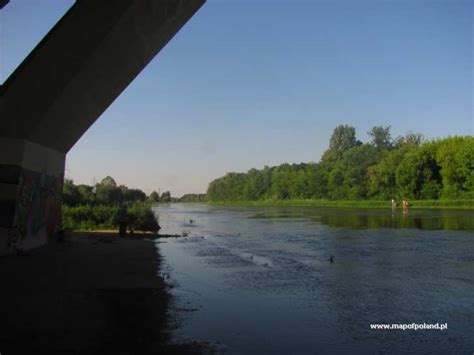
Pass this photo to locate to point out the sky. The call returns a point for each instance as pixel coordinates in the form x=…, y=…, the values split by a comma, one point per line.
x=246, y=84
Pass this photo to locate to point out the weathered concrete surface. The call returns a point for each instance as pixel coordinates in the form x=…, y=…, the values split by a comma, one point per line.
x=70, y=78
x=31, y=180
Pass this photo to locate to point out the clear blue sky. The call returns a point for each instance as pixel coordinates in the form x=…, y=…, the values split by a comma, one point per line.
x=251, y=83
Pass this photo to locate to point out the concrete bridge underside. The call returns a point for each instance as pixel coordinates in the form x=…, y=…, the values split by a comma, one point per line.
x=57, y=93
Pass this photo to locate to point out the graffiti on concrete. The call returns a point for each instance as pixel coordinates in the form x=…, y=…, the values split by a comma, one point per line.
x=38, y=207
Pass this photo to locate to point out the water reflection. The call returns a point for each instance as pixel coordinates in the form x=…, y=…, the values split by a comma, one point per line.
x=261, y=280
x=370, y=218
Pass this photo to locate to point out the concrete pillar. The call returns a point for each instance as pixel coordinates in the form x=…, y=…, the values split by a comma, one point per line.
x=31, y=179
x=69, y=79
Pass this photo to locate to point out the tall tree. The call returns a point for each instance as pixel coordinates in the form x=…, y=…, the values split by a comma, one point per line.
x=107, y=192
x=382, y=176
x=154, y=197
x=418, y=175
x=342, y=139
x=455, y=155
x=108, y=181
x=71, y=194
x=380, y=137
x=165, y=197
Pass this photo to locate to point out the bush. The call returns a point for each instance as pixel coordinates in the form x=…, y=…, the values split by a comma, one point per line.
x=89, y=217
x=141, y=217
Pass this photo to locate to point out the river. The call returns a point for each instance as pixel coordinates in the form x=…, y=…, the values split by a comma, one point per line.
x=260, y=280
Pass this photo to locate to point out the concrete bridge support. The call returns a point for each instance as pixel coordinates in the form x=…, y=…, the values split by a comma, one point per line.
x=57, y=93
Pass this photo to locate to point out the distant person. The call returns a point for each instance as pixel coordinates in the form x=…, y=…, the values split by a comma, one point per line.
x=122, y=216
x=394, y=204
x=405, y=205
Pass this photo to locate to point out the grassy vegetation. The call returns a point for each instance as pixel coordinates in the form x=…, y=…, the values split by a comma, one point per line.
x=106, y=205
x=420, y=204
x=138, y=216
x=88, y=217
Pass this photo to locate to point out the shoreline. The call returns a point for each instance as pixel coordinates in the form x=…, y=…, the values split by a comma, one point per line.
x=366, y=204
x=88, y=294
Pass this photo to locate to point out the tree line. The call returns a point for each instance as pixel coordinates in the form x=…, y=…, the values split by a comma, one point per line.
x=108, y=193
x=106, y=205
x=405, y=167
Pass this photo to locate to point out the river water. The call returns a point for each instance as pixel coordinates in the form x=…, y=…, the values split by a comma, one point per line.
x=260, y=280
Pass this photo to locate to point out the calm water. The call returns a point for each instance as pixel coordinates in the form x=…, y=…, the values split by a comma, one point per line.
x=259, y=280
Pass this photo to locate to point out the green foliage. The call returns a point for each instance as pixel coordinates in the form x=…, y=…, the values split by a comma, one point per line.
x=410, y=140
x=88, y=217
x=382, y=181
x=455, y=155
x=71, y=193
x=408, y=167
x=355, y=166
x=87, y=194
x=418, y=175
x=165, y=197
x=141, y=217
x=381, y=137
x=154, y=197
x=132, y=195
x=108, y=194
x=108, y=181
x=193, y=198
x=105, y=205
x=74, y=195
x=414, y=204
x=104, y=193
x=342, y=139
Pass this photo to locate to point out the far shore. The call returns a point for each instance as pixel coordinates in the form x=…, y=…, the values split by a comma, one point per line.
x=419, y=204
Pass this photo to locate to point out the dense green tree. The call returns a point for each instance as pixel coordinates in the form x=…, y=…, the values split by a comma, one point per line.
x=154, y=197
x=71, y=193
x=407, y=167
x=108, y=181
x=193, y=198
x=355, y=164
x=335, y=183
x=132, y=195
x=380, y=137
x=418, y=175
x=281, y=181
x=141, y=217
x=87, y=194
x=317, y=180
x=257, y=183
x=165, y=197
x=382, y=181
x=455, y=155
x=108, y=194
x=342, y=139
x=410, y=140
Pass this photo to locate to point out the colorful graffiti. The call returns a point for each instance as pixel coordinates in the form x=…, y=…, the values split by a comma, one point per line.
x=38, y=207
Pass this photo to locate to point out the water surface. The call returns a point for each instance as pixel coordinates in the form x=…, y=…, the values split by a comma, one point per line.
x=259, y=280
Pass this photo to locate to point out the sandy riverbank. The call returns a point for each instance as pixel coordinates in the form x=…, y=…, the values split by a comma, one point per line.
x=89, y=294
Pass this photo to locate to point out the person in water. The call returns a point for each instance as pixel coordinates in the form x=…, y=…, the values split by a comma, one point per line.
x=405, y=206
x=394, y=204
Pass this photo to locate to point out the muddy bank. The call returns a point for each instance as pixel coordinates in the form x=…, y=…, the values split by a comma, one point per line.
x=87, y=294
